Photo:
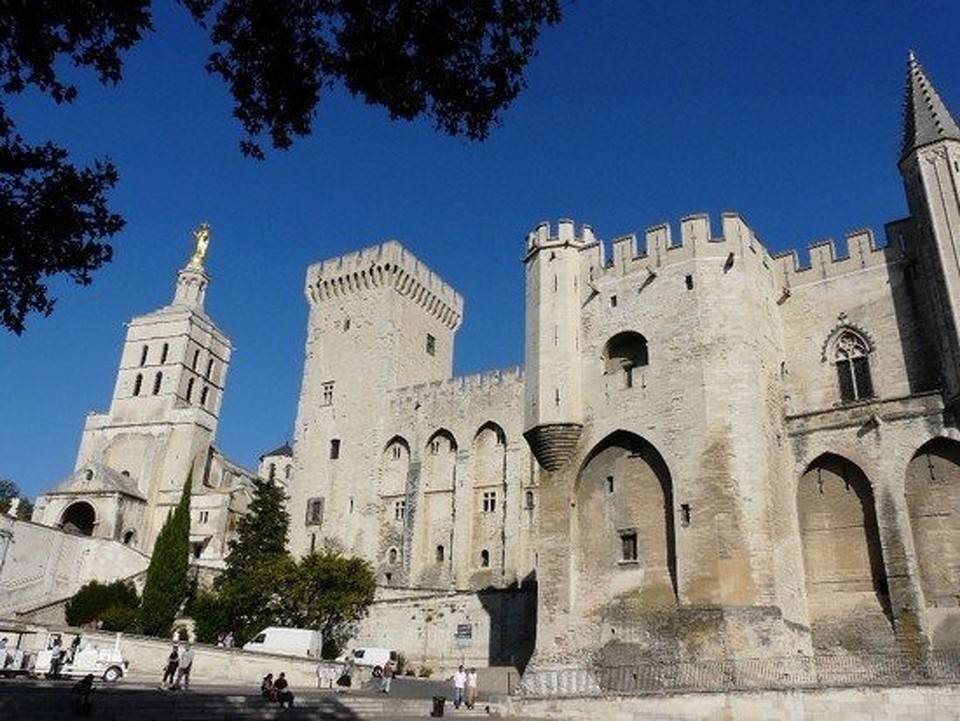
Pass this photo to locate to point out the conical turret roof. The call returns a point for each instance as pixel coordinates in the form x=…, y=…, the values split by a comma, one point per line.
x=925, y=116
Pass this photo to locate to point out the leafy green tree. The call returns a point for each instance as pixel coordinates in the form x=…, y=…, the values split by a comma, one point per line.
x=9, y=491
x=332, y=593
x=167, y=581
x=458, y=62
x=252, y=588
x=113, y=603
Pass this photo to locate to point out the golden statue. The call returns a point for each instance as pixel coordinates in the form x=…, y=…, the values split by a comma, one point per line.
x=202, y=237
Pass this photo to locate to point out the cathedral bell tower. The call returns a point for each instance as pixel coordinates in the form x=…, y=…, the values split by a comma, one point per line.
x=164, y=410
x=930, y=168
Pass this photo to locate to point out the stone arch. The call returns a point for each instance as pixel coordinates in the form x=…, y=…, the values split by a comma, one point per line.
x=435, y=509
x=624, y=353
x=439, y=461
x=486, y=495
x=844, y=574
x=625, y=538
x=79, y=518
x=932, y=487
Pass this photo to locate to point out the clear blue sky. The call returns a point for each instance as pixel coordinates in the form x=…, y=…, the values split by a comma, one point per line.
x=636, y=113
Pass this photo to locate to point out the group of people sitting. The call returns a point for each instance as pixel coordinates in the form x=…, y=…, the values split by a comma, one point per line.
x=277, y=690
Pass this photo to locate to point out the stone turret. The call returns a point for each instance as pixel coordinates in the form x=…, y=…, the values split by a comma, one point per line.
x=553, y=407
x=930, y=167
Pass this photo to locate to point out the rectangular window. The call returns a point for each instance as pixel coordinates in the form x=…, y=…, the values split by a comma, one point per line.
x=327, y=399
x=431, y=345
x=613, y=301
x=399, y=510
x=315, y=511
x=204, y=516
x=628, y=546
x=335, y=448
x=489, y=501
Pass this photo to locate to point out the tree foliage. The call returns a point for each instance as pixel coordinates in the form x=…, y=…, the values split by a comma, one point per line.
x=115, y=604
x=264, y=586
x=331, y=593
x=166, y=587
x=10, y=491
x=457, y=62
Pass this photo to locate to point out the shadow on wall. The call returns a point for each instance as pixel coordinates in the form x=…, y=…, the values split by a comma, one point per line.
x=513, y=622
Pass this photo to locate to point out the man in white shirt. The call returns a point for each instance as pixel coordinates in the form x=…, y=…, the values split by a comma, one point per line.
x=459, y=683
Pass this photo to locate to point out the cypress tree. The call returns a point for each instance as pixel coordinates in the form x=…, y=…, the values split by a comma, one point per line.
x=167, y=584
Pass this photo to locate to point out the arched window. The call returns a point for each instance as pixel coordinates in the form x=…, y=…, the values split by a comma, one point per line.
x=850, y=356
x=137, y=384
x=485, y=558
x=157, y=381
x=440, y=553
x=392, y=555
x=190, y=390
x=143, y=355
x=203, y=396
x=164, y=352
x=625, y=352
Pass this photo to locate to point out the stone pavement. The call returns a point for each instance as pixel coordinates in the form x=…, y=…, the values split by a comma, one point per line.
x=45, y=700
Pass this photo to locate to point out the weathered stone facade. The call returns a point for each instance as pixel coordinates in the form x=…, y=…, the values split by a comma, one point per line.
x=712, y=452
x=134, y=460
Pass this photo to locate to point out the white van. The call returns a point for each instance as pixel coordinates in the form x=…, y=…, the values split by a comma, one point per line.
x=286, y=642
x=370, y=657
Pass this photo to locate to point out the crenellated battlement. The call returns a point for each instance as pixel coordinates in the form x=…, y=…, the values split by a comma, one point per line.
x=385, y=265
x=658, y=248
x=541, y=236
x=459, y=386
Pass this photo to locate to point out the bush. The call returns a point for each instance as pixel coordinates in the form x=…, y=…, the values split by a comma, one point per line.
x=119, y=618
x=94, y=599
x=425, y=672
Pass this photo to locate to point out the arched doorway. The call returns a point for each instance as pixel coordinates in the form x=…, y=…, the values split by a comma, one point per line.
x=80, y=518
x=932, y=488
x=845, y=578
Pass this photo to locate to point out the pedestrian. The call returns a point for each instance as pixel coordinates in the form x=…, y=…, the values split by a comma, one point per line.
x=386, y=676
x=56, y=657
x=267, y=689
x=184, y=668
x=471, y=687
x=170, y=668
x=283, y=692
x=459, y=683
x=228, y=640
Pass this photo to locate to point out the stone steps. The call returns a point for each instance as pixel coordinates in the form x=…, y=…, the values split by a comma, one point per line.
x=54, y=701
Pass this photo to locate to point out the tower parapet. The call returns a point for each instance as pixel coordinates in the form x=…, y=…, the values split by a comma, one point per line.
x=390, y=265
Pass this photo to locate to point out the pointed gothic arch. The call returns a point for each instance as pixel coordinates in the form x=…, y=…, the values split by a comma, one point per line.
x=932, y=488
x=844, y=572
x=625, y=531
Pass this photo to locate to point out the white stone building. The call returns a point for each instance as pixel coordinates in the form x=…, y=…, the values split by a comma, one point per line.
x=711, y=453
x=134, y=460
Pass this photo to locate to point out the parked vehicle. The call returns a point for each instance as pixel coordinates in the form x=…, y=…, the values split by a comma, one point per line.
x=106, y=663
x=18, y=648
x=370, y=657
x=286, y=641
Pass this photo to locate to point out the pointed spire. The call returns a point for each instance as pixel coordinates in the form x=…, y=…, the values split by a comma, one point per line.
x=925, y=116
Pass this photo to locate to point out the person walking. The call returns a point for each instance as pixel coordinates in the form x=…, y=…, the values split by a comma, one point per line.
x=459, y=683
x=170, y=668
x=386, y=677
x=472, y=687
x=185, y=666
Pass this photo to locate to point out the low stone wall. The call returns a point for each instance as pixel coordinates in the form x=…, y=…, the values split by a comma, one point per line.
x=915, y=703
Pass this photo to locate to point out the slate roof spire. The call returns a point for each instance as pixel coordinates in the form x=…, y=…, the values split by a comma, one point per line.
x=926, y=119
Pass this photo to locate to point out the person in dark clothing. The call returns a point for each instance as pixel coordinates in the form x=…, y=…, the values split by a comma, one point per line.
x=170, y=669
x=283, y=693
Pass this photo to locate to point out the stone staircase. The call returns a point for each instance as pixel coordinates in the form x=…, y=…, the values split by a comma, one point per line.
x=49, y=701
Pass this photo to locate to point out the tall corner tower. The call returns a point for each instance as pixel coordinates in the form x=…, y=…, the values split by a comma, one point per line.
x=379, y=320
x=166, y=401
x=553, y=405
x=930, y=168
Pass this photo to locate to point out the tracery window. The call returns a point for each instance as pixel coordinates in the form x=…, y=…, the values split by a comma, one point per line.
x=850, y=356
